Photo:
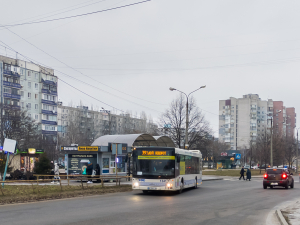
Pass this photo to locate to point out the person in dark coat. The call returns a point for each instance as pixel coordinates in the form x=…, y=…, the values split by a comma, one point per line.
x=89, y=171
x=97, y=170
x=248, y=173
x=242, y=173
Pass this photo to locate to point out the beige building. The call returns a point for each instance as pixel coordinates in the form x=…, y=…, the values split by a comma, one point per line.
x=242, y=120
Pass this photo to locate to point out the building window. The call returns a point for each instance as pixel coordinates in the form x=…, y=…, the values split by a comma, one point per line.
x=36, y=96
x=36, y=86
x=36, y=76
x=36, y=106
x=28, y=73
x=29, y=95
x=29, y=105
x=29, y=84
x=36, y=116
x=29, y=115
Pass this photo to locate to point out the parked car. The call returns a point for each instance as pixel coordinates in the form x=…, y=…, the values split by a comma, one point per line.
x=278, y=177
x=254, y=167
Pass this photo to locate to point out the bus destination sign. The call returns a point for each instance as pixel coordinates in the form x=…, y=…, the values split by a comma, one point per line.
x=160, y=153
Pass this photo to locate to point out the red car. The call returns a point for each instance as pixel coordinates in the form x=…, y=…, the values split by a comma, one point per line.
x=278, y=177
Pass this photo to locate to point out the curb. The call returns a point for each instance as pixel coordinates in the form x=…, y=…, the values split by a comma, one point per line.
x=280, y=217
x=213, y=179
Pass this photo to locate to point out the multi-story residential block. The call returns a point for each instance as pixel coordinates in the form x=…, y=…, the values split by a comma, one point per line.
x=100, y=122
x=290, y=121
x=33, y=88
x=243, y=120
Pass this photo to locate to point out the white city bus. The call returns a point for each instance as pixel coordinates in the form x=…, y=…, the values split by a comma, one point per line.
x=168, y=169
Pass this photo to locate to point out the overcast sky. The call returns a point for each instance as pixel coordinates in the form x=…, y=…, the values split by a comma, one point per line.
x=129, y=57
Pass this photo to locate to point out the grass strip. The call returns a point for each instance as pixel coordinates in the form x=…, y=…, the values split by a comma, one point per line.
x=30, y=193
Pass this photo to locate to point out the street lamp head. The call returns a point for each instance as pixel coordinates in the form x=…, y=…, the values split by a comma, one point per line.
x=172, y=89
x=203, y=86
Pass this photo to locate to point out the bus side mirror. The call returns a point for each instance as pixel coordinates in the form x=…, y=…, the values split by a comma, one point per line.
x=178, y=158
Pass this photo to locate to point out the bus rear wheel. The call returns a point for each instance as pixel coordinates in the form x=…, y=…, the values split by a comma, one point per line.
x=145, y=191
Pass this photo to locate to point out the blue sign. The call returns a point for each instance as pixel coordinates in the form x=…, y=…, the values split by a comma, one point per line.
x=237, y=156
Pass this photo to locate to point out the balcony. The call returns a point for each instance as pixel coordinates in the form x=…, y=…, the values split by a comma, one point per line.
x=49, y=122
x=49, y=102
x=47, y=132
x=14, y=107
x=7, y=95
x=49, y=112
x=10, y=84
x=49, y=82
x=46, y=91
x=11, y=73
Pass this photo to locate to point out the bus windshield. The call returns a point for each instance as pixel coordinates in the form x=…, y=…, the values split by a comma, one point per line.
x=155, y=168
x=155, y=165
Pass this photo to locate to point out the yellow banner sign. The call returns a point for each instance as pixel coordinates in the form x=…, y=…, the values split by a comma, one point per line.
x=88, y=148
x=157, y=157
x=154, y=152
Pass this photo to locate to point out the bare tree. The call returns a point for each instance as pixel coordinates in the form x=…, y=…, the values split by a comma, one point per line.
x=81, y=129
x=174, y=120
x=215, y=148
x=18, y=126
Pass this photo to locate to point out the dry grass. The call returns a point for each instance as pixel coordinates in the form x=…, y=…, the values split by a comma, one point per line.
x=28, y=193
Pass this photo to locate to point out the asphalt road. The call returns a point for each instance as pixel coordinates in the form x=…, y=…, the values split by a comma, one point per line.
x=215, y=202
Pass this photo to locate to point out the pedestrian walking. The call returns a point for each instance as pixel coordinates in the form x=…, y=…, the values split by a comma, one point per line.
x=89, y=171
x=242, y=173
x=248, y=173
x=56, y=174
x=97, y=170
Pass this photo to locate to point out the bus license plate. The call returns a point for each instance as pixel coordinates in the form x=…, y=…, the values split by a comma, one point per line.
x=274, y=183
x=152, y=188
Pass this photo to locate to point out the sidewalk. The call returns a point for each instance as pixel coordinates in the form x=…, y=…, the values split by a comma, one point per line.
x=289, y=214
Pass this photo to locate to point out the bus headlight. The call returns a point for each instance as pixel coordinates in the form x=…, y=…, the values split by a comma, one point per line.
x=169, y=185
x=136, y=184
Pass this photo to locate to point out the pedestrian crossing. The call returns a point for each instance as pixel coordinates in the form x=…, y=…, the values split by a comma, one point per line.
x=252, y=180
x=237, y=179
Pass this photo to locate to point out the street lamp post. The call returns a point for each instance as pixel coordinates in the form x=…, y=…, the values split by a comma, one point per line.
x=297, y=149
x=187, y=114
x=271, y=153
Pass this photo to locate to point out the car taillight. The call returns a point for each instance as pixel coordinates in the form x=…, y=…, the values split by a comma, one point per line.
x=283, y=176
x=265, y=176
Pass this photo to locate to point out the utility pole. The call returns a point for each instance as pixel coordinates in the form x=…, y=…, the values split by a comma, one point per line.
x=297, y=154
x=271, y=155
x=1, y=117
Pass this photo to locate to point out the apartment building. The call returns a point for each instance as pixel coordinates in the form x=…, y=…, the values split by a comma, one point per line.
x=100, y=122
x=33, y=88
x=242, y=120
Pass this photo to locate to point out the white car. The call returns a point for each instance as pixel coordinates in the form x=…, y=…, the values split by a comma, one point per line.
x=254, y=167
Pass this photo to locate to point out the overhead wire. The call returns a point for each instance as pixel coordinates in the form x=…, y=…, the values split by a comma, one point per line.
x=80, y=71
x=84, y=83
x=51, y=13
x=74, y=16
